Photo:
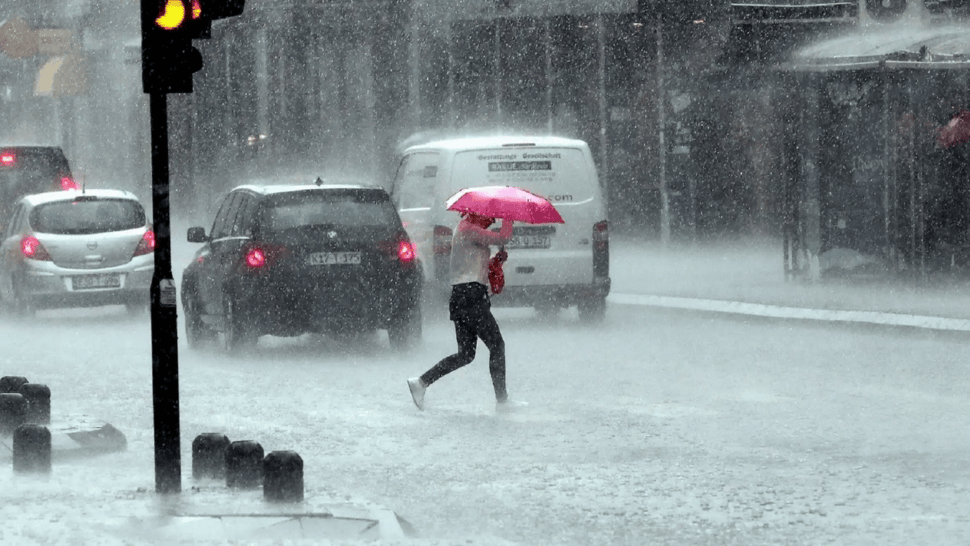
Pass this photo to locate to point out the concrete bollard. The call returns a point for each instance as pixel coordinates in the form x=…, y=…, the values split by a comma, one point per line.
x=32, y=449
x=244, y=464
x=12, y=383
x=209, y=455
x=283, y=477
x=38, y=398
x=13, y=411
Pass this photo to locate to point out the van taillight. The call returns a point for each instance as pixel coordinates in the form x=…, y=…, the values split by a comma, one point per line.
x=442, y=240
x=146, y=245
x=31, y=248
x=601, y=249
x=8, y=159
x=67, y=183
x=255, y=258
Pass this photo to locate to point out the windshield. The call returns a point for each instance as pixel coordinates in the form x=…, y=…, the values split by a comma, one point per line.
x=85, y=217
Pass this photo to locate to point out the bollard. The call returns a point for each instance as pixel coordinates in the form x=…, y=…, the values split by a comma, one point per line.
x=32, y=449
x=244, y=464
x=209, y=455
x=283, y=477
x=13, y=411
x=38, y=398
x=12, y=383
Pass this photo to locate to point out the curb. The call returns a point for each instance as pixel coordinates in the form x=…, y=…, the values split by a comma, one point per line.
x=796, y=313
x=75, y=435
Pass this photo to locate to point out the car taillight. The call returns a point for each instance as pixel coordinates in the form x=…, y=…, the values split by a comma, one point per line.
x=405, y=252
x=442, y=240
x=601, y=249
x=146, y=245
x=31, y=248
x=255, y=258
x=8, y=159
x=68, y=183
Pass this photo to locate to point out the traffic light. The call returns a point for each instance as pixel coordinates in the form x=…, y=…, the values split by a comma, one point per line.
x=167, y=30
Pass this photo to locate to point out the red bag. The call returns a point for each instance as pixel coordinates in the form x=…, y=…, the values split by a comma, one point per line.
x=496, y=277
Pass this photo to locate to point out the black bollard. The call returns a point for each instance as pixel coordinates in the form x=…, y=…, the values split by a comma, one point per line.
x=32, y=449
x=13, y=411
x=11, y=383
x=38, y=398
x=244, y=464
x=209, y=455
x=283, y=477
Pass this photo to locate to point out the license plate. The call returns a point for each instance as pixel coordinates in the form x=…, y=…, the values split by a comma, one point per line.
x=528, y=241
x=335, y=258
x=87, y=282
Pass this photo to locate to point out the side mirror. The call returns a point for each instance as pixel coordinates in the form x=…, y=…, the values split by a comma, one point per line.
x=196, y=235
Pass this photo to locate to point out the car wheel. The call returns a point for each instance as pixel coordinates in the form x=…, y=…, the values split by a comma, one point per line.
x=236, y=334
x=197, y=332
x=592, y=310
x=405, y=330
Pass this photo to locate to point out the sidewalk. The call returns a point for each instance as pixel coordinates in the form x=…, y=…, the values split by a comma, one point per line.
x=747, y=277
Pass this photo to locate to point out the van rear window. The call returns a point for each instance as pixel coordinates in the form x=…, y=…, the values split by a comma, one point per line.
x=559, y=174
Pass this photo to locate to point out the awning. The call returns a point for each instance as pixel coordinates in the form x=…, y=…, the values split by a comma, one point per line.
x=61, y=76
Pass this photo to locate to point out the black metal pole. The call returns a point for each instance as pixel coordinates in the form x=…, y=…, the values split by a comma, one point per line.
x=165, y=369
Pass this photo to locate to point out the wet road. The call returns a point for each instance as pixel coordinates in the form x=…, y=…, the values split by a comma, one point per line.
x=661, y=427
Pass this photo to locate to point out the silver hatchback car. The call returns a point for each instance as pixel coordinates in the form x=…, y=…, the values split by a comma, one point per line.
x=77, y=248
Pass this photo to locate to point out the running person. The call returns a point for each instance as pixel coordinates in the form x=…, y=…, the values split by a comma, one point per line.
x=469, y=307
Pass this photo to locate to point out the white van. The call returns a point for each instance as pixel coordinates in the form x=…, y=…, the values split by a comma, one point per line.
x=550, y=266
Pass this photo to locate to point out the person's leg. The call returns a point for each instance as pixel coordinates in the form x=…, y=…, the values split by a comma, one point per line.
x=467, y=341
x=487, y=328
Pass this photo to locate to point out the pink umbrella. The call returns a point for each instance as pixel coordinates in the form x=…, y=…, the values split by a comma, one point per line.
x=505, y=202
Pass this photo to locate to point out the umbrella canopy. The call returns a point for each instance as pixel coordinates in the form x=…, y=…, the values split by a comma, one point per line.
x=506, y=202
x=955, y=132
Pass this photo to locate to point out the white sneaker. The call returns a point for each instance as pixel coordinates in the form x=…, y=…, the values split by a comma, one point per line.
x=417, y=391
x=510, y=405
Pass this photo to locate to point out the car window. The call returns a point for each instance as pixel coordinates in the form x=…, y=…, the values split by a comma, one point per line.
x=322, y=208
x=87, y=216
x=243, y=219
x=414, y=184
x=15, y=220
x=222, y=225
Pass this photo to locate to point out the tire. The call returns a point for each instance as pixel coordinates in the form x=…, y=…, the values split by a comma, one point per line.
x=592, y=310
x=405, y=330
x=197, y=332
x=236, y=333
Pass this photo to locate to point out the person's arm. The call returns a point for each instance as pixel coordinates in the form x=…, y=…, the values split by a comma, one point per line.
x=487, y=237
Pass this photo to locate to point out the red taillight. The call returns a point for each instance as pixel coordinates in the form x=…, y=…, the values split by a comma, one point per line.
x=442, y=240
x=405, y=251
x=255, y=258
x=67, y=183
x=31, y=248
x=146, y=245
x=8, y=159
x=601, y=235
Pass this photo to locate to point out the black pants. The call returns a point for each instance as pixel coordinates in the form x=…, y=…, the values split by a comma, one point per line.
x=471, y=312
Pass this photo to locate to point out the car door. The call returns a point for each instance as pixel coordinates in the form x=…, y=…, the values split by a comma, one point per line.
x=212, y=266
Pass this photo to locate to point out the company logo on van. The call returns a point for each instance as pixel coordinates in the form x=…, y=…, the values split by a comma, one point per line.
x=560, y=198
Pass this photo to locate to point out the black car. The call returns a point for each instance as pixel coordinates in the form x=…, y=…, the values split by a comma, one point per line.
x=295, y=259
x=26, y=170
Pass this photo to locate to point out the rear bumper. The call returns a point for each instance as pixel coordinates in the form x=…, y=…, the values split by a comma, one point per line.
x=53, y=287
x=564, y=295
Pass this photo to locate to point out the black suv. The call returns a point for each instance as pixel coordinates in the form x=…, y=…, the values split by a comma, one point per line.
x=295, y=259
x=26, y=170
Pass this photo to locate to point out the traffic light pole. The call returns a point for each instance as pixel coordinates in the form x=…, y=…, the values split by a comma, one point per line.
x=165, y=368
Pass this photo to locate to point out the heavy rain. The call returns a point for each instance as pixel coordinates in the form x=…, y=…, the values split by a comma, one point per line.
x=740, y=318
